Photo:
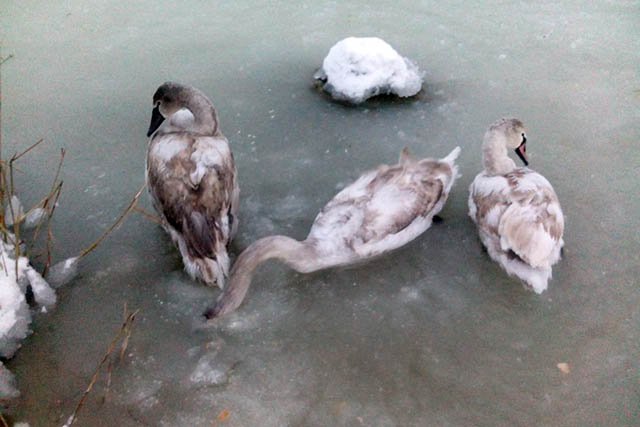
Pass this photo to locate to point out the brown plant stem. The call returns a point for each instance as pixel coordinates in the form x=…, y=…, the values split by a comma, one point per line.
x=126, y=325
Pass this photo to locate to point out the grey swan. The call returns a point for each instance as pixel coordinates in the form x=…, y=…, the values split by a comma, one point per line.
x=191, y=176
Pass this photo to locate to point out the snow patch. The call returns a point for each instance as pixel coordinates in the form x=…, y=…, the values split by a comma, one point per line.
x=8, y=388
x=358, y=68
x=13, y=212
x=34, y=217
x=16, y=277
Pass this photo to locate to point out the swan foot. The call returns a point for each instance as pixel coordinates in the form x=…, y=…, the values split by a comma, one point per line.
x=437, y=219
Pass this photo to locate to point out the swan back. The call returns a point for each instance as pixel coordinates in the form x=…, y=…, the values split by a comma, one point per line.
x=383, y=209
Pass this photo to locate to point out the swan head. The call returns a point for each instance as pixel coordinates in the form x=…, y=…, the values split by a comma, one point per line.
x=513, y=133
x=169, y=98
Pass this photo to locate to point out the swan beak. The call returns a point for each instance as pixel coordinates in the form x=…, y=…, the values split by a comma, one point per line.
x=156, y=120
x=521, y=151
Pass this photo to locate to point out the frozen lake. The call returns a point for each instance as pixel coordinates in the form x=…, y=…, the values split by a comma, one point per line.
x=432, y=334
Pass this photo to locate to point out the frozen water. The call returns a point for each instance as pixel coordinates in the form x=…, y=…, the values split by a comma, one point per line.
x=63, y=272
x=357, y=68
x=432, y=334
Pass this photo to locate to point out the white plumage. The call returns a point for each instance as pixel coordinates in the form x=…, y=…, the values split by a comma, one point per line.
x=516, y=210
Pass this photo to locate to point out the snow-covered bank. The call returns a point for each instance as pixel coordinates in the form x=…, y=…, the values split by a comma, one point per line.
x=17, y=279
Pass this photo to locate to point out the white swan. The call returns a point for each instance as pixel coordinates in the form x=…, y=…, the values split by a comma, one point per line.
x=192, y=180
x=381, y=211
x=516, y=210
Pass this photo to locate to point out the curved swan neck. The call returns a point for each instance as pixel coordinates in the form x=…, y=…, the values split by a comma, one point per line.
x=494, y=154
x=297, y=255
x=205, y=118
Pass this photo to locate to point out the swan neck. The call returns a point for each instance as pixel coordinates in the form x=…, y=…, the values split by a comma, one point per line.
x=295, y=254
x=204, y=114
x=494, y=155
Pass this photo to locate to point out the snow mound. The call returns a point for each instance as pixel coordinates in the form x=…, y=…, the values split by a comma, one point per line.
x=358, y=68
x=16, y=277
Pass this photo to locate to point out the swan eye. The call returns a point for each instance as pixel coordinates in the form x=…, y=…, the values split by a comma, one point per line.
x=524, y=138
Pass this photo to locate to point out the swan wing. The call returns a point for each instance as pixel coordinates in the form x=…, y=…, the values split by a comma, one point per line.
x=533, y=225
x=192, y=181
x=523, y=213
x=378, y=211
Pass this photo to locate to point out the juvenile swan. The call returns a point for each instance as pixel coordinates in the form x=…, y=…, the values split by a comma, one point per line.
x=192, y=180
x=516, y=210
x=381, y=211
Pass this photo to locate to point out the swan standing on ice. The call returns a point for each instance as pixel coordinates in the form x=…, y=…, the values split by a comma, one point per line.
x=381, y=211
x=192, y=180
x=516, y=210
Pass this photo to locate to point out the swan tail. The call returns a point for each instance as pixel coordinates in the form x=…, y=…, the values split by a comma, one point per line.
x=452, y=156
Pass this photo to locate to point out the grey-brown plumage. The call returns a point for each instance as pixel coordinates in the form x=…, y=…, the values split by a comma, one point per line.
x=192, y=180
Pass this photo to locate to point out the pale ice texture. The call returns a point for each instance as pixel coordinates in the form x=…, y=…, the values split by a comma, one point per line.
x=358, y=68
x=63, y=272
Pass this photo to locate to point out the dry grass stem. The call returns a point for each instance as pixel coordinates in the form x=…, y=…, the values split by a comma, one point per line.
x=124, y=329
x=54, y=194
x=5, y=59
x=151, y=217
x=31, y=147
x=49, y=232
x=117, y=223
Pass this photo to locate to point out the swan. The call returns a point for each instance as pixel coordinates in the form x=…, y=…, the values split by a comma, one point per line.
x=516, y=210
x=191, y=176
x=382, y=210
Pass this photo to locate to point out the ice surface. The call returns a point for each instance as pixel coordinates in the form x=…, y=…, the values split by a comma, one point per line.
x=357, y=68
x=63, y=272
x=432, y=334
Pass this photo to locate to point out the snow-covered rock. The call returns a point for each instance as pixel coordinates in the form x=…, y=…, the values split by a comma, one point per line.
x=358, y=68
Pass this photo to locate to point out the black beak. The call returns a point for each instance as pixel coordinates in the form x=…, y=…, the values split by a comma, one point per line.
x=521, y=151
x=156, y=120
